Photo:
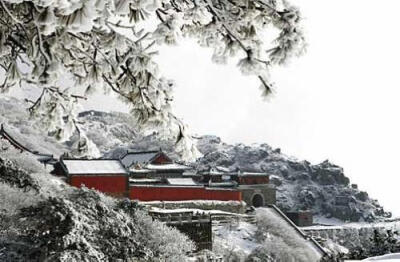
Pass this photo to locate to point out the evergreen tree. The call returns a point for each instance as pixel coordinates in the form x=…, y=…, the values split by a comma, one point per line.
x=109, y=46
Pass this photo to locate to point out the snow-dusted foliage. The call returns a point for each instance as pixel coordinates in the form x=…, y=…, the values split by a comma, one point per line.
x=42, y=218
x=105, y=45
x=85, y=226
x=23, y=160
x=167, y=244
x=235, y=241
x=14, y=198
x=16, y=177
x=363, y=242
x=21, y=127
x=280, y=242
x=269, y=239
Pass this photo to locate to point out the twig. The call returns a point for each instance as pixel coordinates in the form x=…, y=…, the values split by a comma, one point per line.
x=41, y=44
x=9, y=13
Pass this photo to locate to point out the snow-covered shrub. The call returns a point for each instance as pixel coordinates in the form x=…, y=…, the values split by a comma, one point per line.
x=166, y=243
x=233, y=254
x=12, y=199
x=22, y=170
x=361, y=242
x=84, y=225
x=234, y=240
x=380, y=242
x=14, y=176
x=22, y=160
x=335, y=250
x=51, y=185
x=280, y=242
x=262, y=253
x=42, y=218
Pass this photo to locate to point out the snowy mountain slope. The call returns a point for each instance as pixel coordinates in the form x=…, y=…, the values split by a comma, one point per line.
x=300, y=184
x=15, y=117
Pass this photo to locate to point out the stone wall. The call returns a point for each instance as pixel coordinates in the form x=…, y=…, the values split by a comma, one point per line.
x=267, y=192
x=227, y=206
x=200, y=233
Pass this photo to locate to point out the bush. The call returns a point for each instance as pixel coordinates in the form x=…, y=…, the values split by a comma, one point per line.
x=88, y=226
x=381, y=242
x=279, y=241
x=13, y=199
x=12, y=175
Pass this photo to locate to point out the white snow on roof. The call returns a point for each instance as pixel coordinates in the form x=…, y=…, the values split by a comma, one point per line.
x=140, y=170
x=214, y=172
x=144, y=180
x=227, y=183
x=94, y=167
x=252, y=174
x=173, y=166
x=223, y=169
x=181, y=181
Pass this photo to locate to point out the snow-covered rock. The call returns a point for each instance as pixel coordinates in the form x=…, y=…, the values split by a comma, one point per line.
x=300, y=184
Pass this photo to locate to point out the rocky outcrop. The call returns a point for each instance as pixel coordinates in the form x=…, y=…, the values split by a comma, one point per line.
x=322, y=188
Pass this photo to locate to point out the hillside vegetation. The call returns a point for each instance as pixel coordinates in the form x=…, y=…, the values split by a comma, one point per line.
x=42, y=218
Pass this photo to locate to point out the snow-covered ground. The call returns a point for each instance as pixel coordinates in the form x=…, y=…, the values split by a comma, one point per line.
x=388, y=258
x=237, y=237
x=337, y=224
x=195, y=211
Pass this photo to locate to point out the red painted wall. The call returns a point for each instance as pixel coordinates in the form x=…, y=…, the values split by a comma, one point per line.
x=161, y=159
x=253, y=180
x=116, y=185
x=143, y=193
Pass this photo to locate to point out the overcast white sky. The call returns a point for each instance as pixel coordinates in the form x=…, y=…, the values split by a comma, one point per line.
x=338, y=102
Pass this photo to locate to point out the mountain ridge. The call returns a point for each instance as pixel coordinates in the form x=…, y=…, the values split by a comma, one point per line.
x=322, y=188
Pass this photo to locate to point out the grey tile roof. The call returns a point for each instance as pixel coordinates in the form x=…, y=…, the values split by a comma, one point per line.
x=131, y=158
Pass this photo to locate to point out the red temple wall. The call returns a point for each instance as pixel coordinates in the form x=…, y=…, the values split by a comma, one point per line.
x=253, y=180
x=113, y=184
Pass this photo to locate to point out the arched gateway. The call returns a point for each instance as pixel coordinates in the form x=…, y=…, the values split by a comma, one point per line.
x=258, y=200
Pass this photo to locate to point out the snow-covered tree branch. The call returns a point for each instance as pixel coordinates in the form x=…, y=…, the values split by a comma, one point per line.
x=105, y=45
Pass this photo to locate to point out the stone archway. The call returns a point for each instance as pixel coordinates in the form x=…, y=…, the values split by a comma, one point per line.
x=257, y=200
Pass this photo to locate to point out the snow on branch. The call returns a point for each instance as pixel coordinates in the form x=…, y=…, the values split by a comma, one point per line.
x=105, y=45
